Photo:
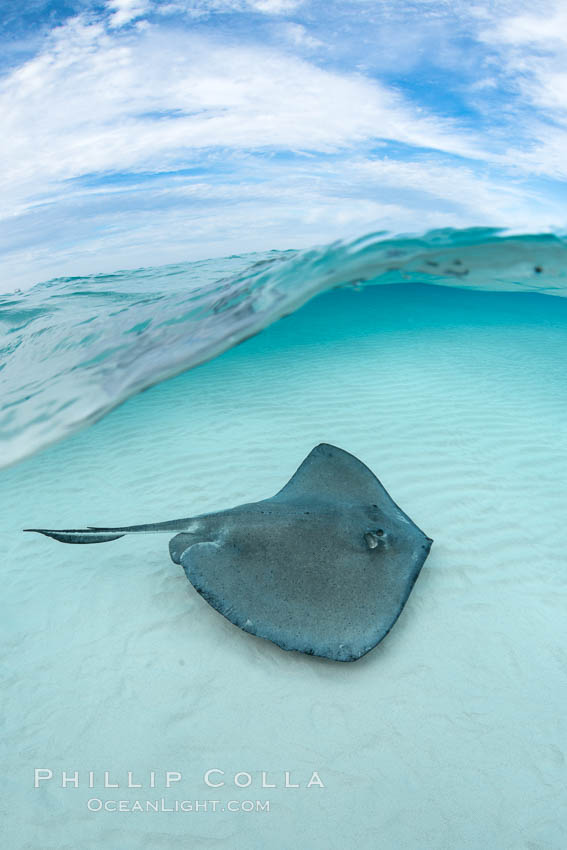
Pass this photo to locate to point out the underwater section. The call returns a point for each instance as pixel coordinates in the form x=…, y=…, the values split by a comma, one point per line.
x=457, y=400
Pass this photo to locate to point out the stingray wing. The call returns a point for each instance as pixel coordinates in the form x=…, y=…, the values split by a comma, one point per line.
x=331, y=474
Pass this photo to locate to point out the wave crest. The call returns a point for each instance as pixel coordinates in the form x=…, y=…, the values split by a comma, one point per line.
x=74, y=348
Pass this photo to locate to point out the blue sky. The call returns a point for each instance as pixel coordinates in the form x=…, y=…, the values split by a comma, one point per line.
x=142, y=132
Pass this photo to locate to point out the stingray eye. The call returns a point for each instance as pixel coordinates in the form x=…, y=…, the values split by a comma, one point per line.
x=373, y=538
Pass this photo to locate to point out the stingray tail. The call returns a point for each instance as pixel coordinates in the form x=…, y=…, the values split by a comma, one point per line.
x=104, y=535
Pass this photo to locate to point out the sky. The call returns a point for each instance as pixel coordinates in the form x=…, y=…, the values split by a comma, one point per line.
x=142, y=132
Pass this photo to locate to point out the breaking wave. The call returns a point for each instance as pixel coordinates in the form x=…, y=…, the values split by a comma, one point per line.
x=73, y=348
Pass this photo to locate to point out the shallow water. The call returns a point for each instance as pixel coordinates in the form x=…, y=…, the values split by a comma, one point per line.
x=450, y=734
x=73, y=348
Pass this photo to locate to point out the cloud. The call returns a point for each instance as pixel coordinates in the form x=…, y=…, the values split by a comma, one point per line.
x=298, y=35
x=275, y=7
x=532, y=51
x=548, y=27
x=200, y=8
x=125, y=11
x=534, y=55
x=96, y=101
x=128, y=140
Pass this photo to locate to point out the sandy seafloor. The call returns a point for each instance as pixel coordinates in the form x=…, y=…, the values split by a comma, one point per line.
x=451, y=734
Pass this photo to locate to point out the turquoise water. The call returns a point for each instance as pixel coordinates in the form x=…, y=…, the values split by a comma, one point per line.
x=73, y=348
x=452, y=732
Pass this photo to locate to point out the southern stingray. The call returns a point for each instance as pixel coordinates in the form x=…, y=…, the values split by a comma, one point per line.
x=324, y=567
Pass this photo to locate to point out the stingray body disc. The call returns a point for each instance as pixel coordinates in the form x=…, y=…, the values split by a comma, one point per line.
x=318, y=568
